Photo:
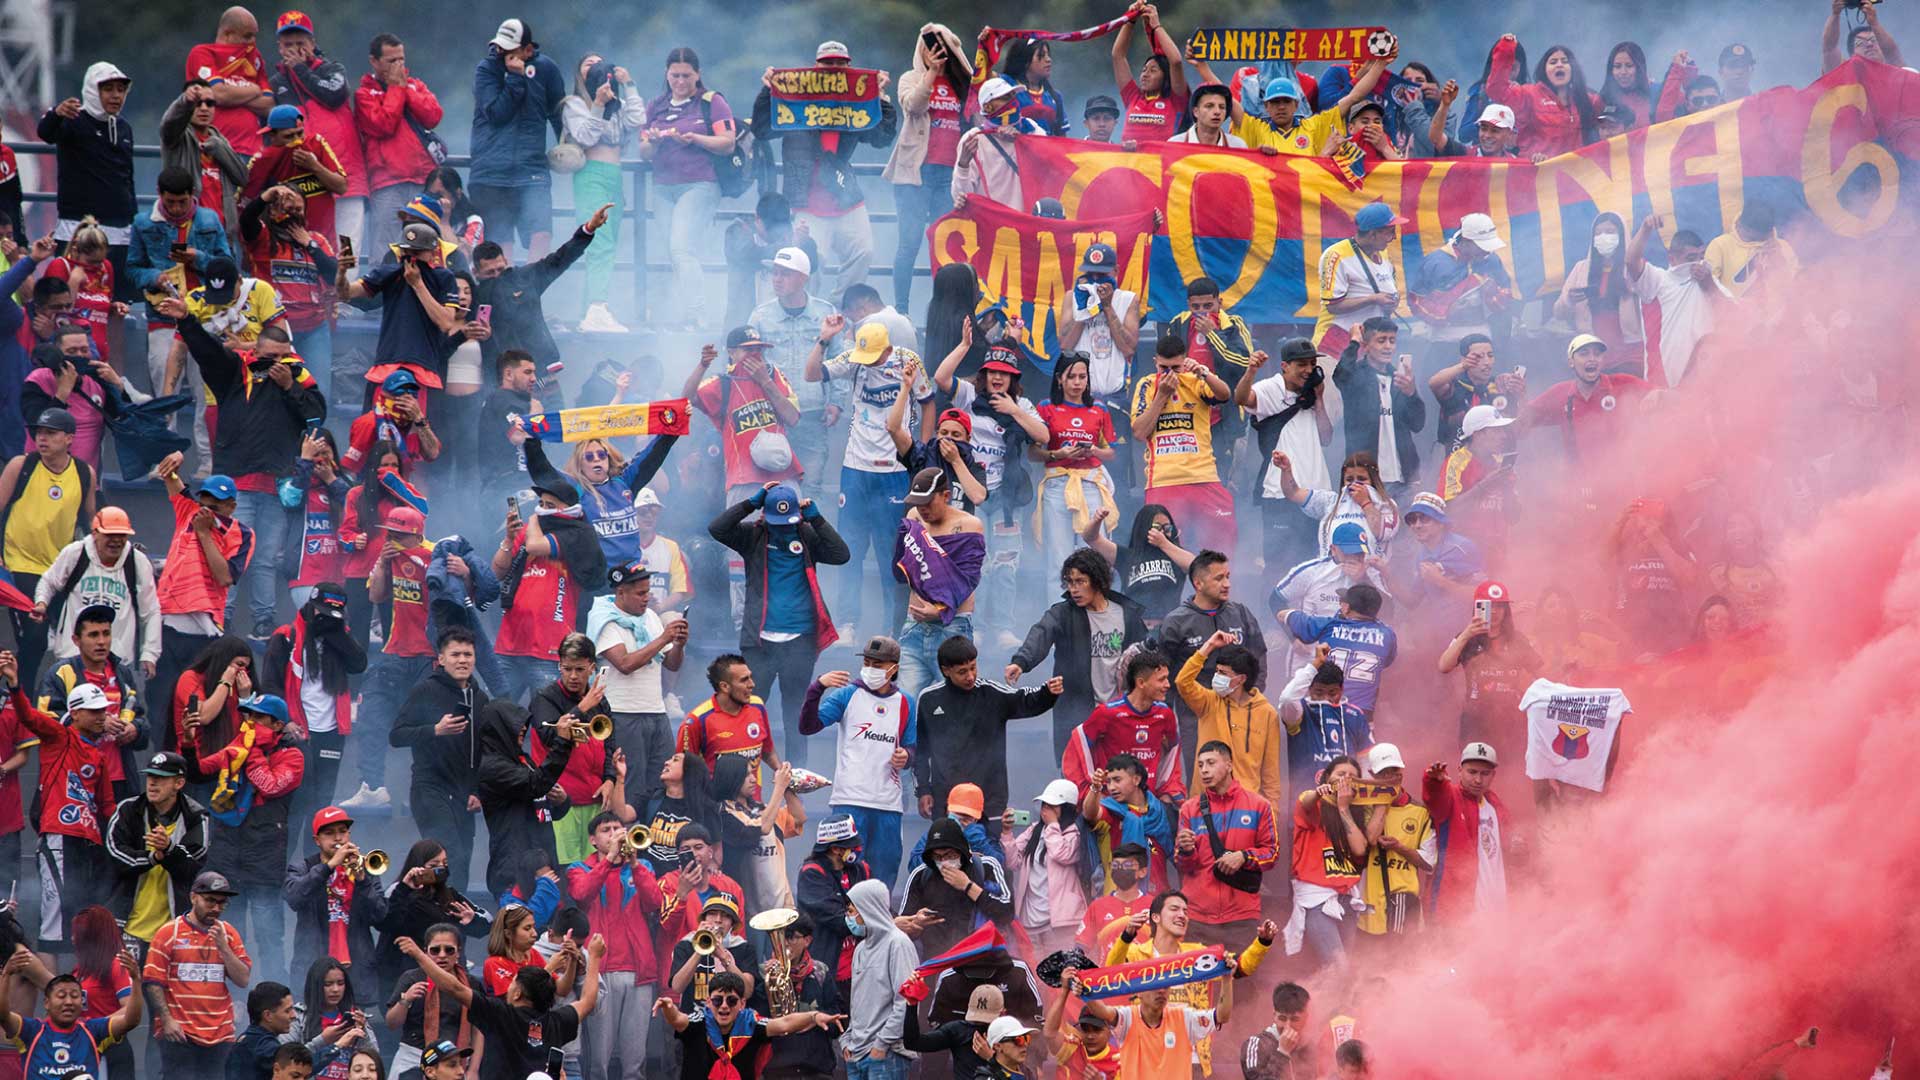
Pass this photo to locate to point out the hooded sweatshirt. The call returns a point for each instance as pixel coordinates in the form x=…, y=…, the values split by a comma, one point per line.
x=126, y=586
x=882, y=960
x=448, y=763
x=513, y=791
x=917, y=89
x=94, y=155
x=959, y=915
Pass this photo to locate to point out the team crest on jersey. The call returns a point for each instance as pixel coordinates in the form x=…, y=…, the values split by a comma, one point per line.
x=1571, y=743
x=536, y=1034
x=56, y=493
x=753, y=731
x=1140, y=736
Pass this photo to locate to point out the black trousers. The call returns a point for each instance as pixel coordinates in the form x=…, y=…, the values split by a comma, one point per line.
x=191, y=1061
x=790, y=663
x=443, y=817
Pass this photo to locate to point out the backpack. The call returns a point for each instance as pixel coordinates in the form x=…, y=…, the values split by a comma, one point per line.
x=84, y=471
x=734, y=169
x=129, y=570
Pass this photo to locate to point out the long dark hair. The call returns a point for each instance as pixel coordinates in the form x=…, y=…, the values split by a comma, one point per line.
x=1142, y=520
x=96, y=943
x=370, y=489
x=1330, y=816
x=1509, y=633
x=955, y=69
x=1611, y=92
x=681, y=54
x=697, y=795
x=728, y=781
x=1019, y=56
x=956, y=293
x=1577, y=92
x=1056, y=393
x=316, y=994
x=323, y=651
x=1606, y=278
x=1519, y=64
x=421, y=853
x=210, y=665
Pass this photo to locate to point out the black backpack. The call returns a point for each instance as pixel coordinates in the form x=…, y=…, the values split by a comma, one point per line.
x=734, y=169
x=26, y=472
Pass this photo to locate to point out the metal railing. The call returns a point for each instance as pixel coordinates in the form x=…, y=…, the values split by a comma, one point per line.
x=636, y=260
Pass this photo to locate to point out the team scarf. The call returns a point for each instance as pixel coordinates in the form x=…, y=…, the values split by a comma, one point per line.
x=1149, y=828
x=232, y=792
x=608, y=421
x=945, y=569
x=396, y=485
x=339, y=907
x=992, y=41
x=985, y=940
x=736, y=1040
x=1154, y=973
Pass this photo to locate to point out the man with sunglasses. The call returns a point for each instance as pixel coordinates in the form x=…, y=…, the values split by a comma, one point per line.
x=1008, y=1038
x=724, y=1039
x=188, y=966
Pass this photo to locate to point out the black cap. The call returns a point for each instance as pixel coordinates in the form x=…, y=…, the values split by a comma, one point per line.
x=633, y=571
x=1101, y=103
x=1298, y=348
x=57, y=419
x=1736, y=54
x=166, y=763
x=220, y=280
x=746, y=337
x=214, y=883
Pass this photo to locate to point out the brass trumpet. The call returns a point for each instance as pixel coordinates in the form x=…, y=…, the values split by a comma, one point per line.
x=705, y=942
x=375, y=862
x=638, y=839
x=599, y=728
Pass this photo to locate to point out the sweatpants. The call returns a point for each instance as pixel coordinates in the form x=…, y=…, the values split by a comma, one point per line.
x=618, y=1028
x=790, y=663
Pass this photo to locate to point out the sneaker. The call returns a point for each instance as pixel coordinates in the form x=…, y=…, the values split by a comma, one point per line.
x=1010, y=641
x=367, y=799
x=599, y=320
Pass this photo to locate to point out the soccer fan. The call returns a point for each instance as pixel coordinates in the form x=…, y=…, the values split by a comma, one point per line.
x=1226, y=841
x=185, y=978
x=1172, y=416
x=872, y=752
x=1140, y=722
x=1361, y=644
x=620, y=896
x=1321, y=724
x=1473, y=835
x=158, y=843
x=435, y=724
x=1294, y=444
x=1230, y=709
x=521, y=1025
x=1403, y=850
x=1329, y=852
x=963, y=887
x=1087, y=632
x=963, y=736
x=237, y=76
x=1207, y=612
x=731, y=723
x=1123, y=814
x=63, y=1043
x=1283, y=1050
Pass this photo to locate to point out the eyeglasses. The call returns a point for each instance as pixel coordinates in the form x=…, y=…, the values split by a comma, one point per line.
x=215, y=901
x=594, y=455
x=725, y=1000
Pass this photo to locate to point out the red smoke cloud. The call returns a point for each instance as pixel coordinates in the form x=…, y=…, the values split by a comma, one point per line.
x=1754, y=865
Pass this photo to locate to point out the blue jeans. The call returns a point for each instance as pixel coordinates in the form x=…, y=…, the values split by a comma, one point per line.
x=688, y=209
x=261, y=511
x=1058, y=536
x=871, y=506
x=879, y=838
x=918, y=206
x=891, y=1067
x=1330, y=939
x=522, y=675
x=315, y=346
x=259, y=912
x=389, y=679
x=1001, y=605
x=920, y=651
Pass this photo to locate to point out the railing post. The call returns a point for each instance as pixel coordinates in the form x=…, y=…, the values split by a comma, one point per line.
x=640, y=214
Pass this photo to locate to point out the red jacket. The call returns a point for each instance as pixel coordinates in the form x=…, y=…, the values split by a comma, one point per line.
x=335, y=123
x=1244, y=822
x=1543, y=124
x=394, y=153
x=619, y=906
x=1456, y=817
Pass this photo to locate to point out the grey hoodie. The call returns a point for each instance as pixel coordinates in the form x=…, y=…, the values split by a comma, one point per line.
x=882, y=960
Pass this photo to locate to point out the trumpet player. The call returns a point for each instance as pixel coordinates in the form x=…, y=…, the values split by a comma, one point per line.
x=591, y=780
x=714, y=946
x=337, y=902
x=157, y=844
x=621, y=899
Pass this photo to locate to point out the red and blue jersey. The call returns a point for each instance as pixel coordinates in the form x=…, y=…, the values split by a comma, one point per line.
x=54, y=1053
x=1324, y=731
x=1362, y=647
x=1152, y=736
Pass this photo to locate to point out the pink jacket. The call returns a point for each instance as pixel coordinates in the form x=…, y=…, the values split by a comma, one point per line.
x=1543, y=124
x=1066, y=889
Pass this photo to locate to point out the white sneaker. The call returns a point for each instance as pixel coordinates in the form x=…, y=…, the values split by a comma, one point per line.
x=599, y=320
x=368, y=799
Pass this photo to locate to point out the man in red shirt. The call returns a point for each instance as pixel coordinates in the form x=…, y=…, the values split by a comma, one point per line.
x=621, y=900
x=399, y=417
x=300, y=264
x=1589, y=410
x=753, y=406
x=74, y=799
x=1141, y=723
x=232, y=64
x=1107, y=914
x=96, y=665
x=209, y=551
x=398, y=579
x=732, y=722
x=299, y=159
x=1474, y=833
x=541, y=610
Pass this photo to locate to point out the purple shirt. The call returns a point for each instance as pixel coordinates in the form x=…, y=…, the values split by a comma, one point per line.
x=944, y=569
x=684, y=163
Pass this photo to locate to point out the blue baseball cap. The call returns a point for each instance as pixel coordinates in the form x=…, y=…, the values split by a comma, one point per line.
x=220, y=486
x=1281, y=87
x=266, y=705
x=1376, y=215
x=283, y=117
x=783, y=506
x=1347, y=537
x=400, y=381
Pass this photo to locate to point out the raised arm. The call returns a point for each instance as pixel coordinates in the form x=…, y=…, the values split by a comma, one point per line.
x=1637, y=247
x=449, y=983
x=1437, y=127
x=1363, y=86
x=1830, y=57
x=1122, y=42
x=1094, y=534
x=943, y=375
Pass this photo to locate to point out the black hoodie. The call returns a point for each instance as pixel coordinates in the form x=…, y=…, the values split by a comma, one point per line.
x=959, y=915
x=513, y=792
x=449, y=763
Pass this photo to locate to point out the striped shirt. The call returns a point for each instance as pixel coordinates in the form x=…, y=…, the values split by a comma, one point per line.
x=185, y=963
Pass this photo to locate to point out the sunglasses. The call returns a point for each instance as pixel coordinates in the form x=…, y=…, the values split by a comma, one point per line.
x=594, y=455
x=443, y=950
x=725, y=1000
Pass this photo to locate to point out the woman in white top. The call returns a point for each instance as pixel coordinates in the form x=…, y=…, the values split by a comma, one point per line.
x=1598, y=299
x=603, y=111
x=1361, y=499
x=1212, y=104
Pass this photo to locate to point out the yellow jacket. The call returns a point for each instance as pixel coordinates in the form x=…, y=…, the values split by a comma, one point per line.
x=1252, y=730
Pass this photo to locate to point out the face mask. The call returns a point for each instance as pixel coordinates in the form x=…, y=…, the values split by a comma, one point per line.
x=856, y=927
x=1606, y=243
x=873, y=678
x=1125, y=877
x=947, y=862
x=1222, y=684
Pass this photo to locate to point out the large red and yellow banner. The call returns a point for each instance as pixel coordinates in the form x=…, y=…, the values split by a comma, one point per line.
x=1257, y=225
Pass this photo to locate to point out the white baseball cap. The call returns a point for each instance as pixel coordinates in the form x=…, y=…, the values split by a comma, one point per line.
x=1479, y=229
x=646, y=497
x=1479, y=751
x=791, y=258
x=1004, y=1028
x=1060, y=792
x=996, y=88
x=1384, y=756
x=1480, y=418
x=511, y=35
x=1498, y=115
x=832, y=50
x=86, y=696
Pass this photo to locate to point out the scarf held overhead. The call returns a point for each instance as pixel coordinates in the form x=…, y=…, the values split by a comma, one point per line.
x=608, y=421
x=992, y=41
x=1155, y=973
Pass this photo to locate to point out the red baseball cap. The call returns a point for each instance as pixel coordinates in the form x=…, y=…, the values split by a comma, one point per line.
x=406, y=519
x=329, y=815
x=1492, y=590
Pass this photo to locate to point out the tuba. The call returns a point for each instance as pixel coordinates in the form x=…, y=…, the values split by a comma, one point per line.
x=779, y=970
